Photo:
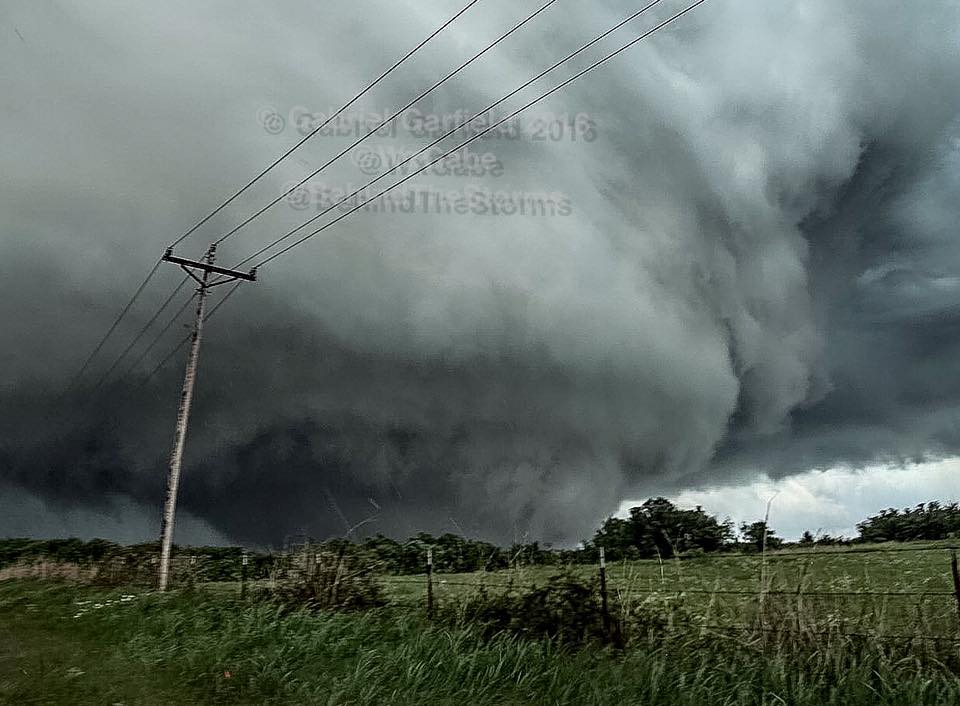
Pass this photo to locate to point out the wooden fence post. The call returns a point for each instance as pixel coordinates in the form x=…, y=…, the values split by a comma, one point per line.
x=429, y=583
x=243, y=575
x=956, y=578
x=603, y=594
x=799, y=607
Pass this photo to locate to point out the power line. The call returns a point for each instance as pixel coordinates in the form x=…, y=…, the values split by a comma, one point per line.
x=323, y=124
x=143, y=331
x=223, y=205
x=475, y=137
x=116, y=323
x=479, y=135
x=389, y=120
x=455, y=129
x=186, y=338
x=463, y=144
x=156, y=339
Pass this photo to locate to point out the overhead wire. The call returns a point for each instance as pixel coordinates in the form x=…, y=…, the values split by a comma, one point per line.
x=143, y=331
x=512, y=115
x=116, y=322
x=156, y=339
x=322, y=125
x=126, y=309
x=463, y=144
x=388, y=120
x=185, y=339
x=543, y=96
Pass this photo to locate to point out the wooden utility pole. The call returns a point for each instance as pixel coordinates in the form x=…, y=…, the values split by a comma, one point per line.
x=186, y=395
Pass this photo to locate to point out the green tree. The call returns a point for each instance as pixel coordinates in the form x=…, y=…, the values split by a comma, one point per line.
x=658, y=527
x=758, y=536
x=924, y=521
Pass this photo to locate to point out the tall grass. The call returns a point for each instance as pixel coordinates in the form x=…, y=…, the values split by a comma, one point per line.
x=221, y=650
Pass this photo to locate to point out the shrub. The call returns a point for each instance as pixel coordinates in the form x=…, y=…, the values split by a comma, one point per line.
x=326, y=581
x=566, y=610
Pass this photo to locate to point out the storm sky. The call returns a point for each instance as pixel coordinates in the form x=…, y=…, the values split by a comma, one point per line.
x=746, y=266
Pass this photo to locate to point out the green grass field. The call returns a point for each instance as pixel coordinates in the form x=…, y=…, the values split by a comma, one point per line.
x=877, y=589
x=70, y=644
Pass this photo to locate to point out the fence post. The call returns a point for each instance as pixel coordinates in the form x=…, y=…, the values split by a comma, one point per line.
x=244, y=558
x=803, y=573
x=603, y=594
x=429, y=583
x=956, y=578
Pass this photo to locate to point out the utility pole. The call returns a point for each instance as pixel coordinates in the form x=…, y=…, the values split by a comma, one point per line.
x=206, y=266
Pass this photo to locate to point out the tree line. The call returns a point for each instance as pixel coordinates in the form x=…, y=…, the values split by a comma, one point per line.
x=655, y=529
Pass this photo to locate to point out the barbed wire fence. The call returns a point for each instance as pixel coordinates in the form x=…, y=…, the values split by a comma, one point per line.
x=879, y=614
x=805, y=620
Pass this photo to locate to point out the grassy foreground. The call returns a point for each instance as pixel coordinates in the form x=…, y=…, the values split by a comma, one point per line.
x=64, y=644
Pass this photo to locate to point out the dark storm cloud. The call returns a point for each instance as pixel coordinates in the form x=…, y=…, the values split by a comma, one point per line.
x=890, y=295
x=757, y=273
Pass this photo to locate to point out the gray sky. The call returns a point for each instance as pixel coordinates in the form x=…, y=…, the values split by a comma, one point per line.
x=746, y=266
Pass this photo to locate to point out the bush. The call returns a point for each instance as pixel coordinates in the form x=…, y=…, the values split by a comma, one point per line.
x=323, y=580
x=566, y=610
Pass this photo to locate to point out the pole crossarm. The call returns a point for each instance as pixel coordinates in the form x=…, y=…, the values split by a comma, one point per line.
x=250, y=276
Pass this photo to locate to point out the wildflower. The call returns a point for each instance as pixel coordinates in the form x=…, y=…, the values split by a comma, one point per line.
x=227, y=675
